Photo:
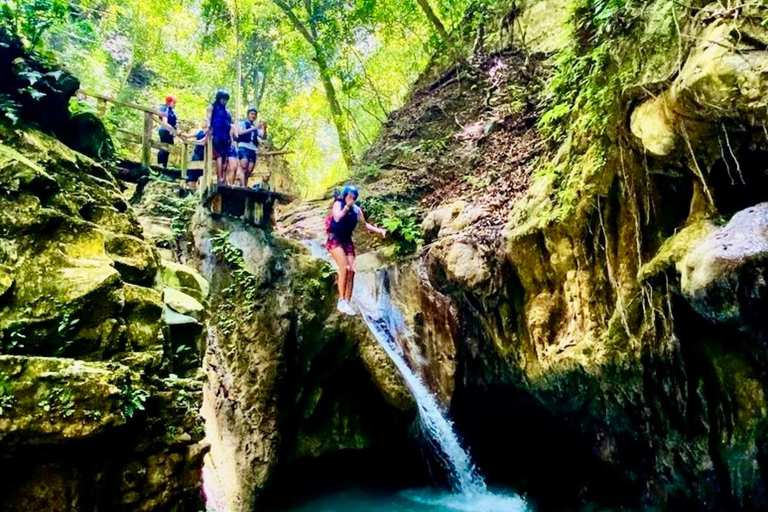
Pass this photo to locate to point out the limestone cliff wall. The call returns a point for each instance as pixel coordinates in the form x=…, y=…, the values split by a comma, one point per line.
x=609, y=342
x=98, y=388
x=290, y=381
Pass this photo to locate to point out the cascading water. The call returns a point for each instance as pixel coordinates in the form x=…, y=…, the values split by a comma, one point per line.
x=386, y=324
x=372, y=298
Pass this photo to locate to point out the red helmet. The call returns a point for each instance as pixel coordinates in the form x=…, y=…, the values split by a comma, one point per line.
x=170, y=99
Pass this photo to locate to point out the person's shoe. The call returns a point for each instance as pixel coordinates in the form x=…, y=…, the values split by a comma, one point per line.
x=341, y=306
x=348, y=309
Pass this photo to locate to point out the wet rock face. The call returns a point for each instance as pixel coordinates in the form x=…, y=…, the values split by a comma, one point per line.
x=95, y=409
x=290, y=380
x=724, y=275
x=722, y=81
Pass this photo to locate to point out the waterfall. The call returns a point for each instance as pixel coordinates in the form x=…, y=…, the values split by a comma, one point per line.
x=386, y=324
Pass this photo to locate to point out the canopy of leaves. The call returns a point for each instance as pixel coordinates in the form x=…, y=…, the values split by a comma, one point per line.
x=143, y=50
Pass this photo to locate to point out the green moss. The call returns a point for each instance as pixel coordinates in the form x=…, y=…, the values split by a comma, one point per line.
x=611, y=44
x=401, y=220
x=184, y=279
x=143, y=317
x=675, y=248
x=57, y=401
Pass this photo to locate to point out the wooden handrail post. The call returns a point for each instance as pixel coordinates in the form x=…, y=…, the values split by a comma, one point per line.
x=101, y=107
x=146, y=140
x=207, y=158
x=184, y=158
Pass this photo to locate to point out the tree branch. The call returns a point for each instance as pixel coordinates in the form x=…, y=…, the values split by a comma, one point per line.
x=296, y=22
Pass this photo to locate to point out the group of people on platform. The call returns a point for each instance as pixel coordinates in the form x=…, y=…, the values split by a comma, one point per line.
x=235, y=148
x=235, y=145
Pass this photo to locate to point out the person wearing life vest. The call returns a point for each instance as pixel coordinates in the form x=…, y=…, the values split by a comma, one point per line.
x=198, y=153
x=248, y=135
x=344, y=218
x=167, y=128
x=222, y=133
x=196, y=138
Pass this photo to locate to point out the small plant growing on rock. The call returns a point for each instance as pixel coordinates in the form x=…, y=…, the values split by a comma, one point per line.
x=7, y=401
x=245, y=283
x=13, y=340
x=401, y=221
x=133, y=400
x=60, y=401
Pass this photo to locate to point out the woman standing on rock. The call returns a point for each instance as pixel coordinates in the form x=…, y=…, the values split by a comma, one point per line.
x=343, y=220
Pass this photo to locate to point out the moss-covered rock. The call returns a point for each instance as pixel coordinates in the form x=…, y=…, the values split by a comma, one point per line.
x=143, y=316
x=77, y=282
x=184, y=279
x=182, y=303
x=92, y=425
x=586, y=339
x=59, y=400
x=289, y=379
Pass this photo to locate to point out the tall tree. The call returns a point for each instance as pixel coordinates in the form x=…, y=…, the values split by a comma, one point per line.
x=434, y=19
x=309, y=31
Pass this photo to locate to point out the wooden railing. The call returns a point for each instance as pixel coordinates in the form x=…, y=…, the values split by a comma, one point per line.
x=144, y=139
x=208, y=183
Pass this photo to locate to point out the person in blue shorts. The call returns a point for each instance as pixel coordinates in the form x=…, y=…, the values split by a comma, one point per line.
x=248, y=135
x=222, y=132
x=197, y=139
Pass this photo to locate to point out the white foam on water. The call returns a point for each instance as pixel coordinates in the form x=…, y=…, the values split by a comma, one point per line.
x=486, y=502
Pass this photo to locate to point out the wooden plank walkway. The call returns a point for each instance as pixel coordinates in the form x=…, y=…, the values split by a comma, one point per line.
x=217, y=197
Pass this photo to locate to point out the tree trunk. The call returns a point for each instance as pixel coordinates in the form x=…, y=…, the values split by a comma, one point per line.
x=239, y=57
x=325, y=76
x=260, y=93
x=336, y=112
x=444, y=35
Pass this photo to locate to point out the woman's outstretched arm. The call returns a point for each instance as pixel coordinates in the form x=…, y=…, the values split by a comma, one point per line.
x=370, y=227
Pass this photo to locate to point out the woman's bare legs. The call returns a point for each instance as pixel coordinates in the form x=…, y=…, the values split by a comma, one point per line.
x=232, y=170
x=337, y=253
x=350, y=284
x=220, y=174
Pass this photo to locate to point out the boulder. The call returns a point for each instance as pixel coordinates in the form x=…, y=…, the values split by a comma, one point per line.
x=451, y=219
x=183, y=304
x=133, y=257
x=722, y=80
x=464, y=263
x=78, y=399
x=723, y=276
x=88, y=135
x=184, y=279
x=143, y=313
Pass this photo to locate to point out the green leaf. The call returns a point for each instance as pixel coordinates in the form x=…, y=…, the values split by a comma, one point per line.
x=36, y=95
x=12, y=116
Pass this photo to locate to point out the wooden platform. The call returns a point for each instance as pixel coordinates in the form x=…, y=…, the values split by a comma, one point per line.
x=227, y=199
x=242, y=202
